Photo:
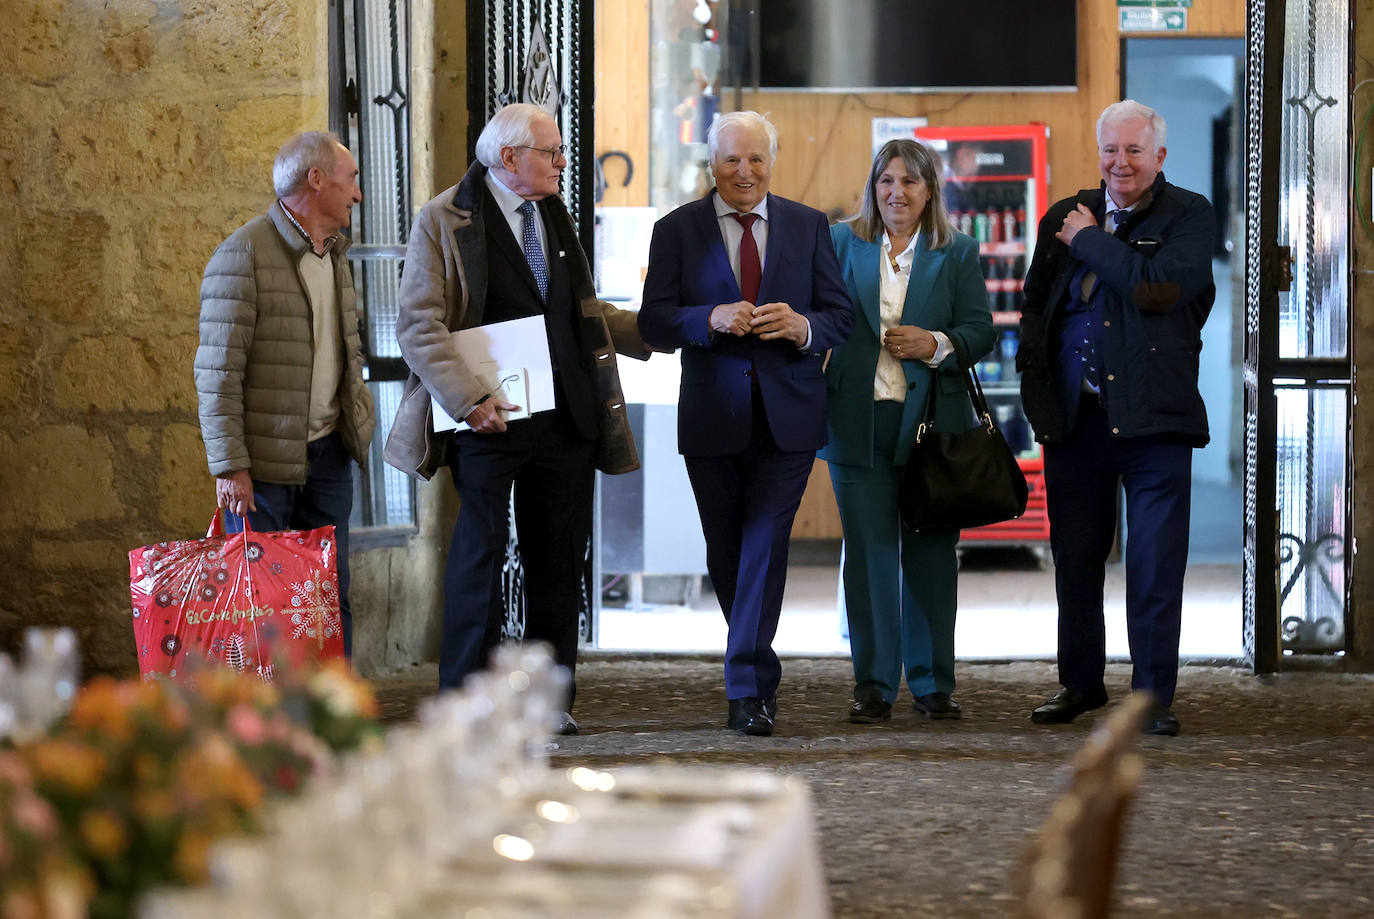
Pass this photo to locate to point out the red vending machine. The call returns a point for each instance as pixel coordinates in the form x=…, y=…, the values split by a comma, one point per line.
x=996, y=190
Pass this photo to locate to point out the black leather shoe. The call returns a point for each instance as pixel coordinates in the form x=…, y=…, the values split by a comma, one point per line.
x=870, y=710
x=770, y=705
x=1068, y=704
x=1160, y=719
x=564, y=725
x=749, y=716
x=937, y=705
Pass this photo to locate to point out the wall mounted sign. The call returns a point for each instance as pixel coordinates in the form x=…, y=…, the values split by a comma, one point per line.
x=1152, y=18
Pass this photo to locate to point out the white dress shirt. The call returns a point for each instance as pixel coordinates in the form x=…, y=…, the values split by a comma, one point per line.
x=509, y=203
x=732, y=231
x=889, y=382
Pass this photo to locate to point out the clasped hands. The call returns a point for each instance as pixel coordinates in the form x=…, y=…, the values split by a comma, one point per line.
x=768, y=321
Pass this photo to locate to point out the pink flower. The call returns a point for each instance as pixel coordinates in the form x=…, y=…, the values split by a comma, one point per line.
x=246, y=725
x=33, y=814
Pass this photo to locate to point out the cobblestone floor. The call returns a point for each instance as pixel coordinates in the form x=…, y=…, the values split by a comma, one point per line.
x=1264, y=806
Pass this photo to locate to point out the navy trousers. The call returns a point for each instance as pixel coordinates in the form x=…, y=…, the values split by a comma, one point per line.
x=1081, y=479
x=325, y=498
x=747, y=501
x=548, y=462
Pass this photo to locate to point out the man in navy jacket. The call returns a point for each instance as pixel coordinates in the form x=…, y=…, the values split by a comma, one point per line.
x=748, y=286
x=1116, y=296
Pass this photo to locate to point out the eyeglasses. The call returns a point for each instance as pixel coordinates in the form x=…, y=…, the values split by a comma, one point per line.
x=553, y=152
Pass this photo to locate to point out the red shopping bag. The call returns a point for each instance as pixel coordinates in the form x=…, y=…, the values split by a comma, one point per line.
x=250, y=601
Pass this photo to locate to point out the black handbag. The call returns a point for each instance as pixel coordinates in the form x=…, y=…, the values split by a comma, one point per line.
x=965, y=479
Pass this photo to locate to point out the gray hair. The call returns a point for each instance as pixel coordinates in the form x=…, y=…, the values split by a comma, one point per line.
x=746, y=119
x=1129, y=108
x=921, y=161
x=512, y=126
x=297, y=155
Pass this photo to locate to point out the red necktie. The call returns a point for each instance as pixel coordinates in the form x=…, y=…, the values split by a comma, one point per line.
x=750, y=271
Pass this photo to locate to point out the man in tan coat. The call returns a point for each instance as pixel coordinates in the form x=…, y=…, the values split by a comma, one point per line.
x=497, y=246
x=284, y=410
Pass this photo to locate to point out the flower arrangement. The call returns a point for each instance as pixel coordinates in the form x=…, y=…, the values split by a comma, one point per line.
x=141, y=789
x=131, y=790
x=39, y=876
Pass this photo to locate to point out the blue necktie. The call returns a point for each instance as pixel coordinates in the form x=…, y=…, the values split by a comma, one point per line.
x=534, y=253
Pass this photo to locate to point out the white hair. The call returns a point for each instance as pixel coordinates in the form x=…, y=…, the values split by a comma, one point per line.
x=1129, y=108
x=512, y=126
x=313, y=148
x=746, y=119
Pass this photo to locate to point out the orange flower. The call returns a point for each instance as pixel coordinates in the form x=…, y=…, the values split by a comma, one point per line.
x=104, y=833
x=154, y=806
x=147, y=767
x=76, y=767
x=103, y=706
x=192, y=858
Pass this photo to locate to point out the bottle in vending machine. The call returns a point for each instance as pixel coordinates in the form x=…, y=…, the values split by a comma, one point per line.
x=1006, y=347
x=1009, y=227
x=966, y=223
x=992, y=278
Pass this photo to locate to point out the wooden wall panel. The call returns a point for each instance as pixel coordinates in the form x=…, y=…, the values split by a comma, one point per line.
x=622, y=96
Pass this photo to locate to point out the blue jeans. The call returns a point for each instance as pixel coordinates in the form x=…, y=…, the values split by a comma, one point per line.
x=326, y=498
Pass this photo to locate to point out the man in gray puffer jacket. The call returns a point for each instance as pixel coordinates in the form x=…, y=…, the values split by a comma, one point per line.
x=279, y=371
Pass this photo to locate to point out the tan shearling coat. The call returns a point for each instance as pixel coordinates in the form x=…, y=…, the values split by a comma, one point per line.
x=444, y=287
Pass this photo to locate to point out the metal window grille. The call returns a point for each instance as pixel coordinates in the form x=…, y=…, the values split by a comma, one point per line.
x=370, y=111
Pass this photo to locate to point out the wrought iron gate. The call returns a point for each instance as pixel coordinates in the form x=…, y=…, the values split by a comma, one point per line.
x=1297, y=374
x=534, y=51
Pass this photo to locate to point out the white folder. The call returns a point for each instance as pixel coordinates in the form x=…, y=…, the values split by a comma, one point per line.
x=511, y=359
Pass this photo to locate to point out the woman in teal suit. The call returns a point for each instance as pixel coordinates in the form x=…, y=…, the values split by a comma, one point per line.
x=917, y=289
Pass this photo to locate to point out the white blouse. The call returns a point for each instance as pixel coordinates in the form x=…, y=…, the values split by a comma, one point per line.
x=889, y=383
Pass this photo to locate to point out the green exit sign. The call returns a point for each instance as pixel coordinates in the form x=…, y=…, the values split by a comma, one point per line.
x=1152, y=18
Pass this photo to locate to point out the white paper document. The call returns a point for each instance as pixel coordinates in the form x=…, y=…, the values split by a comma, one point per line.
x=511, y=359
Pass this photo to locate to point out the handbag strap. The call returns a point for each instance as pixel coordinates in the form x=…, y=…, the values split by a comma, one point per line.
x=971, y=383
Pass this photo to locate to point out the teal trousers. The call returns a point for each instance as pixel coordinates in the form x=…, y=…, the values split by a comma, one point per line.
x=900, y=587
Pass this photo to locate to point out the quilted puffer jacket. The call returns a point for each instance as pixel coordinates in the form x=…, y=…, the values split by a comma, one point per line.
x=255, y=358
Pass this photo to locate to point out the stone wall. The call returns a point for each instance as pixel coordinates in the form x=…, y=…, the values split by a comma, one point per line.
x=136, y=135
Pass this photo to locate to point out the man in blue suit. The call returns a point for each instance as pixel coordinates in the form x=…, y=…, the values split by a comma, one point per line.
x=748, y=286
x=1118, y=290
